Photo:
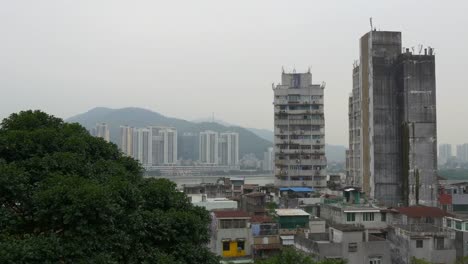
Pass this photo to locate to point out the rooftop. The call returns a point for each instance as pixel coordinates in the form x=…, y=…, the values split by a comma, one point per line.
x=261, y=219
x=421, y=211
x=297, y=189
x=291, y=212
x=255, y=194
x=348, y=228
x=231, y=214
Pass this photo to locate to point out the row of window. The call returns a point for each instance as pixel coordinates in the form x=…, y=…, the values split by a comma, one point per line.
x=351, y=217
x=227, y=245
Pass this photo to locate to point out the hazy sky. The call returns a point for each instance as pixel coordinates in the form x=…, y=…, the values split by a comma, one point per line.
x=190, y=58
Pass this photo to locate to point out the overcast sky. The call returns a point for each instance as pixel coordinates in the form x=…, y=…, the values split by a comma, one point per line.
x=187, y=59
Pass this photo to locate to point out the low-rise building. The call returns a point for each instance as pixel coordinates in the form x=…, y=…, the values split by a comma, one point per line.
x=348, y=242
x=212, y=203
x=290, y=220
x=266, y=240
x=458, y=223
x=417, y=231
x=453, y=197
x=373, y=219
x=231, y=234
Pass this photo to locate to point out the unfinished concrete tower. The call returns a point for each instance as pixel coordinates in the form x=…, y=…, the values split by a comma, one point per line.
x=392, y=122
x=417, y=99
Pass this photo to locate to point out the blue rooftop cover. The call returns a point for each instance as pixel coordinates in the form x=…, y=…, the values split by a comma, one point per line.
x=297, y=189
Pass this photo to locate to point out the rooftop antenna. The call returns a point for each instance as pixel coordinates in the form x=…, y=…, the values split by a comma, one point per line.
x=371, y=27
x=420, y=46
x=282, y=69
x=412, y=49
x=308, y=71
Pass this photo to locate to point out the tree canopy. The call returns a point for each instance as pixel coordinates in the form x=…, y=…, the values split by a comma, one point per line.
x=68, y=197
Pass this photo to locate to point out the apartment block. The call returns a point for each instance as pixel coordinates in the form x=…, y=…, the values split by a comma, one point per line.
x=299, y=128
x=102, y=130
x=209, y=147
x=445, y=153
x=126, y=140
x=229, y=149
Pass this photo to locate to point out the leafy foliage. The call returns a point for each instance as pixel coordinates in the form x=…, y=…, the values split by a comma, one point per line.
x=68, y=197
x=291, y=256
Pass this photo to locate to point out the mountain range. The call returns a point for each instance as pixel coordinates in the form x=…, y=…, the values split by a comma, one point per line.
x=251, y=140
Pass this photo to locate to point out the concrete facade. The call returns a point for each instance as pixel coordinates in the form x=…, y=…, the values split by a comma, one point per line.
x=392, y=122
x=209, y=146
x=345, y=242
x=229, y=149
x=102, y=131
x=299, y=131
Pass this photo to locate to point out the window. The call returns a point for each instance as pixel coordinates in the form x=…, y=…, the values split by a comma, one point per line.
x=383, y=217
x=350, y=217
x=240, y=245
x=226, y=246
x=419, y=243
x=449, y=222
x=458, y=225
x=368, y=216
x=375, y=260
x=352, y=247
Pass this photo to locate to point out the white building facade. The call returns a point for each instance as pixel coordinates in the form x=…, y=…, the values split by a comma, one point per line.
x=299, y=131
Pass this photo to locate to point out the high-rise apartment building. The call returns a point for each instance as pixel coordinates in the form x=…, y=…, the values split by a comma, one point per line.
x=188, y=146
x=462, y=152
x=163, y=146
x=392, y=122
x=142, y=145
x=229, y=149
x=445, y=153
x=208, y=147
x=269, y=160
x=101, y=130
x=299, y=131
x=126, y=140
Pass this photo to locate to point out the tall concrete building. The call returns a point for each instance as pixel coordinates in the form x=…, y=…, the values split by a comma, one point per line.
x=188, y=146
x=392, y=122
x=163, y=145
x=142, y=146
x=229, y=149
x=126, y=140
x=209, y=146
x=445, y=153
x=462, y=152
x=269, y=160
x=299, y=131
x=102, y=130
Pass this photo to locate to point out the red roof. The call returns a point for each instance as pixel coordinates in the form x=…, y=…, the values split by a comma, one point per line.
x=422, y=211
x=261, y=219
x=231, y=214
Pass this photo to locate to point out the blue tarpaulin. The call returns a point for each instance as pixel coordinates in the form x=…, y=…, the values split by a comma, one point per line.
x=297, y=189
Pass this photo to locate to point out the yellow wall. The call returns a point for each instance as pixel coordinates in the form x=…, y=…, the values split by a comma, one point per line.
x=232, y=252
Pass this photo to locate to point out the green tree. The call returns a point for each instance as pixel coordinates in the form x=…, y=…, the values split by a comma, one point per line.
x=68, y=197
x=292, y=256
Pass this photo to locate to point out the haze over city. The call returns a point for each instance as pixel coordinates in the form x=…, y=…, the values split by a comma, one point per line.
x=189, y=59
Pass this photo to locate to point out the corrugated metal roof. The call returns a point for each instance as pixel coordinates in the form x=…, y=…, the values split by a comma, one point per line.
x=422, y=211
x=291, y=212
x=297, y=189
